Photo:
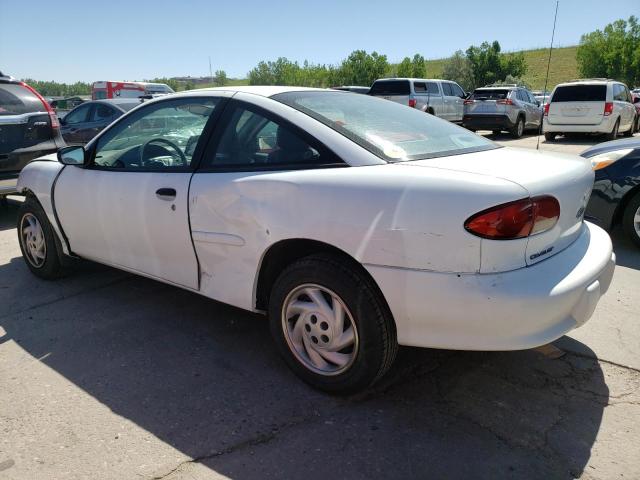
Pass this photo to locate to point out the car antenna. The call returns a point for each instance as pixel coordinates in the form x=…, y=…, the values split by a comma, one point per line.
x=546, y=80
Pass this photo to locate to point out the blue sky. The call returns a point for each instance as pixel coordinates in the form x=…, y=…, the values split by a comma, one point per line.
x=137, y=39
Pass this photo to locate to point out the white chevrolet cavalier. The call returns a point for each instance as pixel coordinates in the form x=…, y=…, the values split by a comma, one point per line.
x=356, y=223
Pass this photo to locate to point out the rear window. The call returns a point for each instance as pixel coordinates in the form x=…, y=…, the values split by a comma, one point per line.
x=494, y=94
x=390, y=87
x=580, y=93
x=16, y=99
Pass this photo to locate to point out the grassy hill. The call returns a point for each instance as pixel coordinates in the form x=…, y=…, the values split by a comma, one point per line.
x=563, y=66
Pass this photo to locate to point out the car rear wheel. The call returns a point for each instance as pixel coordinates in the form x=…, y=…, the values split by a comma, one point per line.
x=614, y=132
x=37, y=241
x=518, y=129
x=631, y=219
x=331, y=325
x=549, y=136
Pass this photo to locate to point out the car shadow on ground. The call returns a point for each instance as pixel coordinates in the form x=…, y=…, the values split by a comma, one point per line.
x=8, y=214
x=205, y=378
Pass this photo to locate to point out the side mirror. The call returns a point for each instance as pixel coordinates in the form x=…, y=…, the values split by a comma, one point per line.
x=71, y=155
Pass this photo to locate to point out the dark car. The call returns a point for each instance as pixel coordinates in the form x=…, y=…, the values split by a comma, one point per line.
x=29, y=129
x=86, y=120
x=616, y=191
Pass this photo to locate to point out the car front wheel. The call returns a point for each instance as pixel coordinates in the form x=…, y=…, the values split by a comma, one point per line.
x=631, y=219
x=37, y=241
x=331, y=325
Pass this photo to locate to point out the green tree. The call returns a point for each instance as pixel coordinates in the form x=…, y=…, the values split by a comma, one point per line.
x=404, y=68
x=362, y=68
x=612, y=53
x=458, y=68
x=189, y=85
x=418, y=66
x=220, y=78
x=489, y=64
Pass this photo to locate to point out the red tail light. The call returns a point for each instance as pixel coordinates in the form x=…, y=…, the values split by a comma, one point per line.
x=608, y=109
x=546, y=109
x=518, y=219
x=506, y=101
x=469, y=102
x=55, y=124
x=412, y=102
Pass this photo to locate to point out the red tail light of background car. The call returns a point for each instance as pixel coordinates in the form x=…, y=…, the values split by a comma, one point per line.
x=518, y=219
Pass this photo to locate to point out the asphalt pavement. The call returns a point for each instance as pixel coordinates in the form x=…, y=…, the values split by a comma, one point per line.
x=105, y=375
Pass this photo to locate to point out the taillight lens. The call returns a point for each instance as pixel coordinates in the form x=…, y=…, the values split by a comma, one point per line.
x=517, y=219
x=507, y=101
x=55, y=124
x=546, y=109
x=608, y=109
x=469, y=102
x=412, y=102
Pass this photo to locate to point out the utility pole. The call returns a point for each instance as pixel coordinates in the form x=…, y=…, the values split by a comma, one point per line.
x=210, y=71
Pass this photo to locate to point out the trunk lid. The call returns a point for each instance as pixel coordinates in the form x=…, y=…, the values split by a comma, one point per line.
x=580, y=104
x=486, y=101
x=568, y=178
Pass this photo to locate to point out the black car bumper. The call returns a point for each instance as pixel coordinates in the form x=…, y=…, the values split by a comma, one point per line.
x=487, y=122
x=12, y=163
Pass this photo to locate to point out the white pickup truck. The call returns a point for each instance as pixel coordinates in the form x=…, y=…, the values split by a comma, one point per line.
x=442, y=98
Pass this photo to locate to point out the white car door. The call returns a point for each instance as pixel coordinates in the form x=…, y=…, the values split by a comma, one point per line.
x=129, y=207
x=457, y=102
x=234, y=200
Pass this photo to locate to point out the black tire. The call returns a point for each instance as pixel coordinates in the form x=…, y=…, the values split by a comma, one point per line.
x=430, y=111
x=637, y=129
x=614, y=132
x=376, y=333
x=518, y=129
x=51, y=268
x=628, y=221
x=549, y=136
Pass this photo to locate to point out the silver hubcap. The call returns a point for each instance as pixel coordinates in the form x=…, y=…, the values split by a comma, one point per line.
x=520, y=128
x=636, y=222
x=319, y=329
x=33, y=242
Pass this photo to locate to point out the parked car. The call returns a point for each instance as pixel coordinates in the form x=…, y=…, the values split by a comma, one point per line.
x=85, y=121
x=541, y=96
x=502, y=107
x=353, y=88
x=616, y=192
x=358, y=224
x=598, y=106
x=441, y=98
x=29, y=129
x=635, y=98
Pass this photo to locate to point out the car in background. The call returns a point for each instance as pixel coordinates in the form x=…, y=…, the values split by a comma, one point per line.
x=116, y=89
x=591, y=106
x=502, y=107
x=615, y=198
x=442, y=98
x=29, y=129
x=353, y=88
x=635, y=98
x=541, y=96
x=88, y=119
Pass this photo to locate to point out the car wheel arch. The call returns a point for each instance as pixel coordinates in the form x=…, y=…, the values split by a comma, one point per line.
x=284, y=252
x=622, y=205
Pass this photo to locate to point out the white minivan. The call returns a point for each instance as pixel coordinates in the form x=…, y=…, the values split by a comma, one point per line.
x=600, y=106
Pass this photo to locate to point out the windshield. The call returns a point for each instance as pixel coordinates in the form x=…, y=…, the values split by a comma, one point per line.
x=495, y=94
x=387, y=129
x=580, y=93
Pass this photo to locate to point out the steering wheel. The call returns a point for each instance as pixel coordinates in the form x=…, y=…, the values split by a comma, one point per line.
x=175, y=147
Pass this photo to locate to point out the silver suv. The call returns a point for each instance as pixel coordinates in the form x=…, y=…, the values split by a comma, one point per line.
x=502, y=107
x=442, y=98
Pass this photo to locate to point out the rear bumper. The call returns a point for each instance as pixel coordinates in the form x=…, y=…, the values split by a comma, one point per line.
x=605, y=126
x=513, y=310
x=487, y=122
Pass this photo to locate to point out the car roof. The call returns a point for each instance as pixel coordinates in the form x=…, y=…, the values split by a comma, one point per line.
x=611, y=146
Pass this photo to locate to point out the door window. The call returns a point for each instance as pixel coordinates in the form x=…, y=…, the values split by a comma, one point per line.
x=457, y=90
x=162, y=136
x=619, y=93
x=102, y=112
x=253, y=140
x=432, y=88
x=79, y=115
x=446, y=88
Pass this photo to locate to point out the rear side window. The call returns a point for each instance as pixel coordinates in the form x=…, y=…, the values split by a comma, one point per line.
x=419, y=87
x=432, y=88
x=490, y=94
x=16, y=99
x=390, y=87
x=580, y=93
x=446, y=89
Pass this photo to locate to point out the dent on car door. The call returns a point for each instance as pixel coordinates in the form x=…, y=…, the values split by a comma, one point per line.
x=129, y=207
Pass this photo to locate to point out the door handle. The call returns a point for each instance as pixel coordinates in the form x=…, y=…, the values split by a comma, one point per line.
x=166, y=193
